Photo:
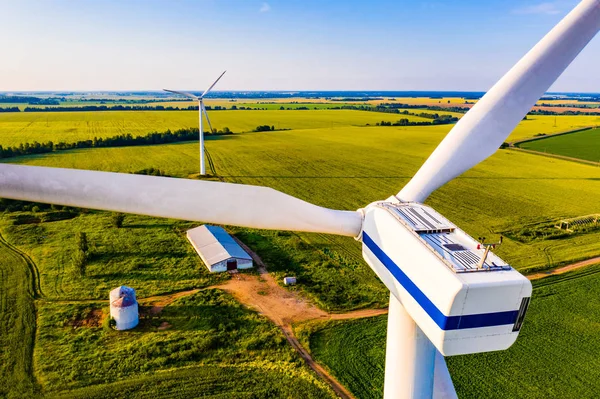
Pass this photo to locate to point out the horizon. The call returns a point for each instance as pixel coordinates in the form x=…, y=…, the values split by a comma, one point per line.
x=277, y=45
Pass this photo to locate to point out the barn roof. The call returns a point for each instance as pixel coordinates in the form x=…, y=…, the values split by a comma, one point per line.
x=215, y=245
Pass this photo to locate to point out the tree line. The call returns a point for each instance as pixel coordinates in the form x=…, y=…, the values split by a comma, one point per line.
x=436, y=119
x=28, y=100
x=123, y=140
x=568, y=112
x=120, y=107
x=10, y=109
x=395, y=108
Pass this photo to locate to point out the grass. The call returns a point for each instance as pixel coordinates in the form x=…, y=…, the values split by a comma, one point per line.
x=208, y=329
x=582, y=145
x=212, y=382
x=554, y=357
x=151, y=254
x=17, y=325
x=354, y=351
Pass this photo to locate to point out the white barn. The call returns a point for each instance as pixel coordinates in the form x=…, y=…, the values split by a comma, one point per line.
x=124, y=307
x=217, y=249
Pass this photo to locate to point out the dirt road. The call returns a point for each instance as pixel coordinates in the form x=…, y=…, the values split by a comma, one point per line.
x=564, y=269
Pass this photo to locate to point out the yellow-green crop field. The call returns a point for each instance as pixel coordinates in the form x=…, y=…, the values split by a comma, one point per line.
x=351, y=166
x=17, y=128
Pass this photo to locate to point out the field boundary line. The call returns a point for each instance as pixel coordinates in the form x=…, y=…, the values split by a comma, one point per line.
x=546, y=136
x=564, y=269
x=563, y=157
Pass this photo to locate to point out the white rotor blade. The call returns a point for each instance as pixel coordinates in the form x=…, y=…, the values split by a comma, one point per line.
x=213, y=85
x=483, y=129
x=183, y=93
x=203, y=201
x=205, y=114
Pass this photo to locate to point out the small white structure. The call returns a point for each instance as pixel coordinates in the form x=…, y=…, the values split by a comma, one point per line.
x=124, y=307
x=219, y=251
x=289, y=280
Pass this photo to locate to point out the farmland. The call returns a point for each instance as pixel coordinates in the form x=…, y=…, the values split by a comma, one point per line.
x=300, y=162
x=22, y=127
x=556, y=354
x=328, y=157
x=582, y=145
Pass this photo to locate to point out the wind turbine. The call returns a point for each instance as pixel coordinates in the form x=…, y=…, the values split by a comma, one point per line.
x=444, y=300
x=201, y=109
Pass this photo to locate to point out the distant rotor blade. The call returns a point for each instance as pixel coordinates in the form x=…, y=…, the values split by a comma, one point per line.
x=213, y=85
x=183, y=93
x=479, y=133
x=202, y=201
x=206, y=114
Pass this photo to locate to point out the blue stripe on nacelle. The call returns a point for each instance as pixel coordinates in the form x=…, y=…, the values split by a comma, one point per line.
x=443, y=321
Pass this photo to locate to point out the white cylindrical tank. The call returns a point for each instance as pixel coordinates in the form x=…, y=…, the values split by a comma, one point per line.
x=124, y=307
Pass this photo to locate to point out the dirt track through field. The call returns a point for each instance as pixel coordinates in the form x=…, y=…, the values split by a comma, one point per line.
x=564, y=269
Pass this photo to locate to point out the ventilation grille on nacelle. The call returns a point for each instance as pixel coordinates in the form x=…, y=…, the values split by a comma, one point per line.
x=423, y=220
x=461, y=258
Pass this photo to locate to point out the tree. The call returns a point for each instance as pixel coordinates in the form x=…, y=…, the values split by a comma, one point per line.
x=118, y=219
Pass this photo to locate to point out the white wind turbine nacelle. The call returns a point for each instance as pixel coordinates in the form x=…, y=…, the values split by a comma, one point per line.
x=201, y=110
x=431, y=267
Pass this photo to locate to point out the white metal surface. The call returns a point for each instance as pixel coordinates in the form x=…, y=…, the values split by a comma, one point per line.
x=409, y=357
x=201, y=136
x=214, y=246
x=212, y=85
x=124, y=307
x=479, y=133
x=125, y=318
x=460, y=312
x=207, y=118
x=204, y=201
x=183, y=93
x=443, y=388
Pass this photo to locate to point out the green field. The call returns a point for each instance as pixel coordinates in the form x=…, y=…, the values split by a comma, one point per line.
x=506, y=192
x=18, y=128
x=17, y=324
x=343, y=165
x=582, y=145
x=556, y=355
x=208, y=328
x=23, y=127
x=152, y=253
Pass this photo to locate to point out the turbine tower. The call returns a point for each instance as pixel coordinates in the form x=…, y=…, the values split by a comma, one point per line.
x=201, y=110
x=447, y=295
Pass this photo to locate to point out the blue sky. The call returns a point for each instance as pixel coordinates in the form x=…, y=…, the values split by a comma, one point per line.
x=276, y=45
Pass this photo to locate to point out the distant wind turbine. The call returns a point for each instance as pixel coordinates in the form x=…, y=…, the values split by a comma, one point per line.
x=201, y=109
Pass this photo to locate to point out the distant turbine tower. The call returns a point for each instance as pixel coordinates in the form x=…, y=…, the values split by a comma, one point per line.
x=201, y=109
